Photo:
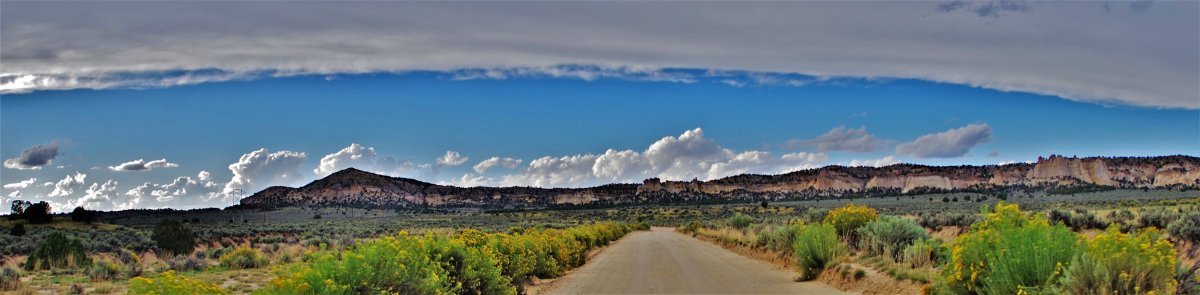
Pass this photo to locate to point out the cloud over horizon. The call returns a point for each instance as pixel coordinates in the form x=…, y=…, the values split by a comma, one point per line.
x=34, y=157
x=137, y=45
x=947, y=144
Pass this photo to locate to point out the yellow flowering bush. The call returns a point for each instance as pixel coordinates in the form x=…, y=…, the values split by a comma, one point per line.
x=847, y=219
x=170, y=283
x=1119, y=263
x=1009, y=252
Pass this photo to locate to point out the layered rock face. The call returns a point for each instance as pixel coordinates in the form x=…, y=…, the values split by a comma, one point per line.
x=1125, y=172
x=352, y=187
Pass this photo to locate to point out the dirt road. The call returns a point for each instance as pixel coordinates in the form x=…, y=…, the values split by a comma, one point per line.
x=662, y=261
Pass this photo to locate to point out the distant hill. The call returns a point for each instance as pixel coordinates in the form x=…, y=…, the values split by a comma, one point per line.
x=356, y=188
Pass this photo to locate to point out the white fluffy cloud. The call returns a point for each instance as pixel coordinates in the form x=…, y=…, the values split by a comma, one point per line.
x=367, y=159
x=21, y=184
x=1033, y=49
x=684, y=157
x=66, y=186
x=550, y=171
x=96, y=196
x=472, y=180
x=142, y=165
x=947, y=144
x=800, y=161
x=484, y=165
x=260, y=169
x=355, y=155
x=841, y=139
x=185, y=186
x=34, y=157
x=881, y=162
x=452, y=158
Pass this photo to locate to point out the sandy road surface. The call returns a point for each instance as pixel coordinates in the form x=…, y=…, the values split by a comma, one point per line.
x=662, y=261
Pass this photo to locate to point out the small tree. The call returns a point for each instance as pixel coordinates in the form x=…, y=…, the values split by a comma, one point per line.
x=764, y=205
x=83, y=215
x=174, y=237
x=38, y=213
x=17, y=209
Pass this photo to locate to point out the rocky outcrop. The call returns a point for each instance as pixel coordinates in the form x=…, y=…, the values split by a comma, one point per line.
x=352, y=187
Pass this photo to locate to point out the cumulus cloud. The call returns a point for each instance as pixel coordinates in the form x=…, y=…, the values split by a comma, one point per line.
x=100, y=45
x=484, y=165
x=394, y=167
x=947, y=144
x=355, y=155
x=687, y=156
x=142, y=165
x=800, y=161
x=881, y=162
x=21, y=184
x=841, y=139
x=551, y=171
x=452, y=158
x=34, y=157
x=96, y=196
x=66, y=186
x=472, y=180
x=185, y=186
x=260, y=169
x=367, y=159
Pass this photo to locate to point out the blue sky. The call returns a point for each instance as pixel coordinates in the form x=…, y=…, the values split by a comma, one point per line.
x=545, y=105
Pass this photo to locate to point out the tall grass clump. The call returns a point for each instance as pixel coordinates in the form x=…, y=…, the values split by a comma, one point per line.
x=847, y=219
x=1009, y=252
x=925, y=253
x=243, y=258
x=10, y=279
x=889, y=236
x=171, y=283
x=1119, y=263
x=817, y=247
x=779, y=238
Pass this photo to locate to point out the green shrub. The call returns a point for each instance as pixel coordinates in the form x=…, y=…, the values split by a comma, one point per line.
x=174, y=237
x=58, y=251
x=740, y=221
x=171, y=283
x=847, y=219
x=890, y=236
x=817, y=247
x=104, y=270
x=186, y=263
x=10, y=279
x=17, y=230
x=1009, y=252
x=471, y=262
x=243, y=258
x=1118, y=263
x=1158, y=219
x=1186, y=228
x=691, y=226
